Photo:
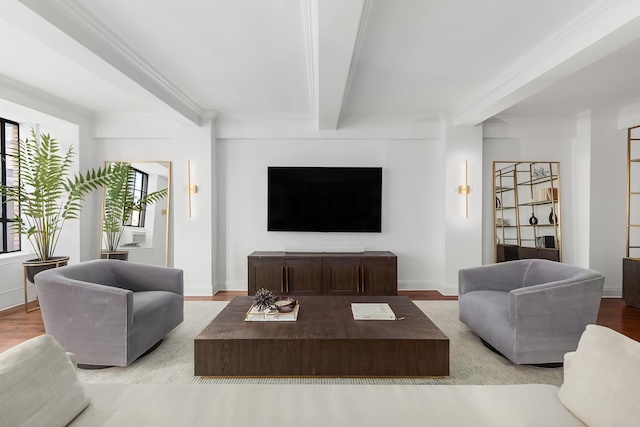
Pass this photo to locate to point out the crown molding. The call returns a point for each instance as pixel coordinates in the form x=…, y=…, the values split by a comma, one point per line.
x=71, y=17
x=554, y=58
x=20, y=93
x=365, y=127
x=629, y=116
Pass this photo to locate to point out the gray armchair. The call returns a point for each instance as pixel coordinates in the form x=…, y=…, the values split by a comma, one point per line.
x=110, y=312
x=533, y=311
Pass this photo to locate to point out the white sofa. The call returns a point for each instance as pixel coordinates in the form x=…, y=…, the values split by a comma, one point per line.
x=39, y=387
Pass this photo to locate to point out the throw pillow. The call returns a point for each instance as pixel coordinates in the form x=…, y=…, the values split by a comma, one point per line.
x=602, y=382
x=39, y=385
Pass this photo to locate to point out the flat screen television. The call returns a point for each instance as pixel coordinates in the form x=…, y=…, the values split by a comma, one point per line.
x=325, y=199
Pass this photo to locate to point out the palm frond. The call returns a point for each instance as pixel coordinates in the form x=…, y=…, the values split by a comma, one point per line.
x=119, y=202
x=45, y=193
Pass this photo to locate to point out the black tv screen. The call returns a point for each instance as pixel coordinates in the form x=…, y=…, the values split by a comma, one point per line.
x=324, y=199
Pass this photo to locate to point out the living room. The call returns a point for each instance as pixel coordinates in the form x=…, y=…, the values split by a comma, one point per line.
x=423, y=160
x=244, y=87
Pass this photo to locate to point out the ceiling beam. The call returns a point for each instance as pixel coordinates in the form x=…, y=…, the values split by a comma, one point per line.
x=339, y=26
x=601, y=29
x=77, y=22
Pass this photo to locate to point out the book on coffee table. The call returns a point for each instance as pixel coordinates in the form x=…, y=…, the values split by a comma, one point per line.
x=255, y=315
x=372, y=311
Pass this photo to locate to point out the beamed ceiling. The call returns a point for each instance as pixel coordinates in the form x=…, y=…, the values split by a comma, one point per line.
x=329, y=62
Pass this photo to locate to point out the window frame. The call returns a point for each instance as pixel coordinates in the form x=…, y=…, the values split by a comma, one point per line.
x=137, y=194
x=6, y=223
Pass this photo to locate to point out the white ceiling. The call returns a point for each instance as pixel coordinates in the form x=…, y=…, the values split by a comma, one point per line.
x=324, y=60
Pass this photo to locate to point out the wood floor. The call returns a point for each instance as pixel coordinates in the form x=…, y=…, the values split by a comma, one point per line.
x=17, y=326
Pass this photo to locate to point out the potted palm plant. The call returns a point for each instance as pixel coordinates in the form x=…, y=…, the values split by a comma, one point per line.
x=119, y=205
x=47, y=196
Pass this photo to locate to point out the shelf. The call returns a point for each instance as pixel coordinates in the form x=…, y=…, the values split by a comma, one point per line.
x=539, y=180
x=505, y=208
x=542, y=202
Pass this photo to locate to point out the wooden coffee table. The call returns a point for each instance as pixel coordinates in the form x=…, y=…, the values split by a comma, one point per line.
x=325, y=341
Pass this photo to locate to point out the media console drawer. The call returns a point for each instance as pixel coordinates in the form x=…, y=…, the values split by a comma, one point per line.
x=297, y=273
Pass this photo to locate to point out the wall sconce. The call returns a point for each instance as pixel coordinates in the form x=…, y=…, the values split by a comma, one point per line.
x=464, y=189
x=191, y=188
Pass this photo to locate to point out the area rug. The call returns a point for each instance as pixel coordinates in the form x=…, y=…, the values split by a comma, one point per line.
x=471, y=362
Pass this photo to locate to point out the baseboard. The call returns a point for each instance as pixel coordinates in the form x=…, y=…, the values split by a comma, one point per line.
x=417, y=285
x=233, y=285
x=198, y=291
x=448, y=290
x=612, y=293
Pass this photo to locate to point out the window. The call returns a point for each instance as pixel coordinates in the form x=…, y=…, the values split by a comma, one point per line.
x=139, y=190
x=9, y=134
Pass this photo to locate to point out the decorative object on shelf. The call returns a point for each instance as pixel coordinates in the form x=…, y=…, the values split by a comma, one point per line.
x=498, y=204
x=533, y=220
x=540, y=242
x=553, y=219
x=551, y=194
x=539, y=173
x=263, y=299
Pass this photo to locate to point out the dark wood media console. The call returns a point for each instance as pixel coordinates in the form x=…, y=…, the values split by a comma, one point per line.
x=297, y=273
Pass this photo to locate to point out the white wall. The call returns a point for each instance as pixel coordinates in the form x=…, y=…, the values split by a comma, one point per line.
x=608, y=188
x=146, y=139
x=412, y=206
x=512, y=138
x=69, y=128
x=462, y=239
x=592, y=155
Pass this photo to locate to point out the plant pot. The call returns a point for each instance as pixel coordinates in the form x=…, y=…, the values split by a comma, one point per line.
x=35, y=266
x=121, y=255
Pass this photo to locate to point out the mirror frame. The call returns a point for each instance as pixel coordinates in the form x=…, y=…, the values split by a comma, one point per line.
x=168, y=208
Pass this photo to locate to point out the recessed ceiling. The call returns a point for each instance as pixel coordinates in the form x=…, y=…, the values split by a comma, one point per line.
x=328, y=59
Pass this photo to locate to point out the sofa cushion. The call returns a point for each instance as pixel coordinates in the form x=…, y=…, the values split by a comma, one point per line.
x=321, y=405
x=602, y=382
x=39, y=385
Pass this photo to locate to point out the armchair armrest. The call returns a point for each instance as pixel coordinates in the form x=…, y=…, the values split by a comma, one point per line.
x=493, y=277
x=142, y=277
x=562, y=305
x=70, y=299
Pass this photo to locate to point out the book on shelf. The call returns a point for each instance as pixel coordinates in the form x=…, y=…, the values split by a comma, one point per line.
x=372, y=311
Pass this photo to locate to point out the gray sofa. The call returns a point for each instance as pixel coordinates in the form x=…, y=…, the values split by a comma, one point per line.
x=532, y=311
x=593, y=393
x=110, y=312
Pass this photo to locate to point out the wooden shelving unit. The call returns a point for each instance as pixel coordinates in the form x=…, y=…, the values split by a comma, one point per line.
x=522, y=190
x=631, y=264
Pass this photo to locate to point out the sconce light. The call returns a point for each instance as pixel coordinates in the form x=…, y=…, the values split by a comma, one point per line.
x=464, y=189
x=191, y=188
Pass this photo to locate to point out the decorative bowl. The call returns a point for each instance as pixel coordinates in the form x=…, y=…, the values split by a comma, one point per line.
x=285, y=304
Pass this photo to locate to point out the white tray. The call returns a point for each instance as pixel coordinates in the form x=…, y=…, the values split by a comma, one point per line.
x=253, y=315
